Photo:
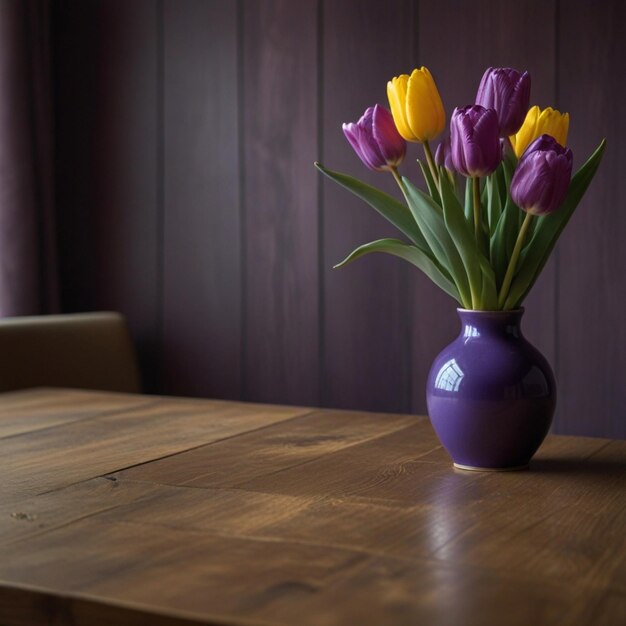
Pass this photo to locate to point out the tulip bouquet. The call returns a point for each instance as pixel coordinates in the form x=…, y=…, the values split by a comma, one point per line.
x=500, y=186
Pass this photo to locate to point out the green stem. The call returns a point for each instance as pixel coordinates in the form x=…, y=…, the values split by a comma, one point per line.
x=398, y=178
x=394, y=172
x=431, y=163
x=510, y=270
x=478, y=227
x=451, y=179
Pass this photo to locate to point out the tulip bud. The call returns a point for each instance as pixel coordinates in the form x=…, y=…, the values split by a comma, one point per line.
x=505, y=146
x=475, y=141
x=443, y=155
x=542, y=176
x=508, y=92
x=549, y=122
x=375, y=139
x=416, y=106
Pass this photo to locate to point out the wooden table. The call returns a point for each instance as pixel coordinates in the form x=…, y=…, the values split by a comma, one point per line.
x=139, y=510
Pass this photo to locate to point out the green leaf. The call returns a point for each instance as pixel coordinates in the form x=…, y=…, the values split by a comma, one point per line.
x=469, y=201
x=479, y=273
x=503, y=239
x=390, y=208
x=412, y=255
x=509, y=163
x=502, y=183
x=429, y=216
x=483, y=192
x=460, y=186
x=430, y=183
x=494, y=206
x=548, y=229
x=489, y=293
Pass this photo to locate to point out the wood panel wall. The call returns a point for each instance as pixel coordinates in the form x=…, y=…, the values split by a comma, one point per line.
x=199, y=212
x=108, y=183
x=186, y=135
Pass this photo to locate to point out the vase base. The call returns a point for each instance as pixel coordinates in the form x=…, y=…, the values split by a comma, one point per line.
x=472, y=468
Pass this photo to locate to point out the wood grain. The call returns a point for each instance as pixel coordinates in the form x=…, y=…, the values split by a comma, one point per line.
x=201, y=301
x=25, y=411
x=37, y=462
x=211, y=512
x=36, y=515
x=270, y=450
x=279, y=52
x=592, y=289
x=405, y=592
x=237, y=576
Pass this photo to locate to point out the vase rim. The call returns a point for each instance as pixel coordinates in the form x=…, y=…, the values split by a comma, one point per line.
x=494, y=312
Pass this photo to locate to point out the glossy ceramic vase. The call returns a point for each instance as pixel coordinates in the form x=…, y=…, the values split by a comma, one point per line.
x=491, y=395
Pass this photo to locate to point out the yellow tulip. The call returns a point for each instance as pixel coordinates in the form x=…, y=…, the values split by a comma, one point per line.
x=549, y=122
x=416, y=106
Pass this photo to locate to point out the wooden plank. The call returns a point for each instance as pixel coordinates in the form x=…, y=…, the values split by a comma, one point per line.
x=562, y=523
x=269, y=450
x=611, y=609
x=280, y=143
x=29, y=517
x=409, y=465
x=106, y=163
x=38, y=461
x=365, y=306
x=22, y=606
x=405, y=593
x=354, y=524
x=201, y=255
x=25, y=411
x=538, y=527
x=592, y=289
x=221, y=576
x=387, y=467
x=327, y=518
x=240, y=579
x=500, y=34
x=568, y=545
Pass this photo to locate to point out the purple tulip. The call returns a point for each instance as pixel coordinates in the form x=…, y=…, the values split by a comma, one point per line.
x=542, y=176
x=376, y=140
x=443, y=155
x=475, y=140
x=508, y=92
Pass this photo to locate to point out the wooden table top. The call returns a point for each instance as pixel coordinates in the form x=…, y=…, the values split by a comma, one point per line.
x=140, y=510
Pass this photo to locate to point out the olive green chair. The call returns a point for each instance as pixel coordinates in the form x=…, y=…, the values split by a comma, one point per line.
x=80, y=350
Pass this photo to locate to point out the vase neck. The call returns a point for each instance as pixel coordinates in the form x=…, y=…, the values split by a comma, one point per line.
x=476, y=324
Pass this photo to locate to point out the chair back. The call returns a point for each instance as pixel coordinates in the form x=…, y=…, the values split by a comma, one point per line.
x=79, y=350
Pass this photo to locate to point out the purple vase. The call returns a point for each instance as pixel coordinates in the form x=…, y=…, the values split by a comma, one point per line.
x=491, y=395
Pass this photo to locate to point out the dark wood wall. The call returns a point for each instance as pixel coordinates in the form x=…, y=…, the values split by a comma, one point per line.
x=186, y=135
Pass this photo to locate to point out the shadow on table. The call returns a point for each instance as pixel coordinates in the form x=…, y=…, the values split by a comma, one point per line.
x=580, y=467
